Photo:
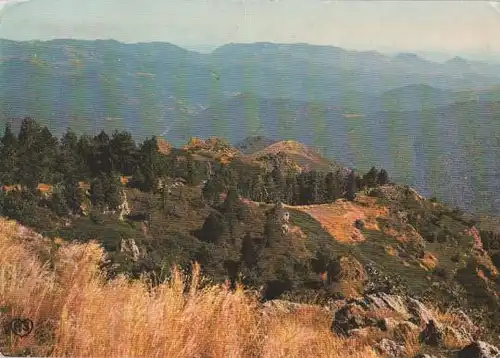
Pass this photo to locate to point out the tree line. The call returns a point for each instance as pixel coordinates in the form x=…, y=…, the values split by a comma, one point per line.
x=34, y=156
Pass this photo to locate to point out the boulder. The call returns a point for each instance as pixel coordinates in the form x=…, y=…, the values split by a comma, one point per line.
x=479, y=349
x=390, y=349
x=402, y=317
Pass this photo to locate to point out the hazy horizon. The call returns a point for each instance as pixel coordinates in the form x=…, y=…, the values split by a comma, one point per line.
x=207, y=49
x=439, y=29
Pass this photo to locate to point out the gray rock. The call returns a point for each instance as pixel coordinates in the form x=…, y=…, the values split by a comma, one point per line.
x=422, y=314
x=390, y=348
x=479, y=349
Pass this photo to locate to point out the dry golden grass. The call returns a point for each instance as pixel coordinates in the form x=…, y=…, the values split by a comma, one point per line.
x=412, y=344
x=338, y=218
x=429, y=261
x=88, y=316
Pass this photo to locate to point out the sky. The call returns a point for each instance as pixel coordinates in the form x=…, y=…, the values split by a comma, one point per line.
x=453, y=27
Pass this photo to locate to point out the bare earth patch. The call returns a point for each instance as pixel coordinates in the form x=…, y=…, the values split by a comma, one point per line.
x=338, y=218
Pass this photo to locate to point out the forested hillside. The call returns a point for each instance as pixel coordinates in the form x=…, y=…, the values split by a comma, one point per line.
x=404, y=113
x=281, y=220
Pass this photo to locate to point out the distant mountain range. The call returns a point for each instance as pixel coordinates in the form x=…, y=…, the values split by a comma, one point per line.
x=432, y=125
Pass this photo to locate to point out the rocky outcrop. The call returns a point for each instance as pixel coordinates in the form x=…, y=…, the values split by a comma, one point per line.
x=130, y=248
x=479, y=349
x=390, y=349
x=123, y=207
x=401, y=316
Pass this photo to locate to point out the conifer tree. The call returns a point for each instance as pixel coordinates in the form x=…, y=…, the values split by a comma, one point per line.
x=113, y=191
x=351, y=186
x=212, y=228
x=98, y=195
x=123, y=152
x=382, y=177
x=370, y=178
x=8, y=153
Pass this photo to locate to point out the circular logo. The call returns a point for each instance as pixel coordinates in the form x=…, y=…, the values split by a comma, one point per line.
x=21, y=327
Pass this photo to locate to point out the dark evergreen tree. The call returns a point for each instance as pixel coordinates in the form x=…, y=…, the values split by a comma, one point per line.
x=86, y=152
x=192, y=173
x=46, y=147
x=70, y=164
x=290, y=189
x=304, y=192
x=383, y=177
x=278, y=184
x=101, y=158
x=330, y=193
x=317, y=187
x=273, y=233
x=113, y=190
x=151, y=164
x=123, y=153
x=74, y=196
x=8, y=156
x=58, y=203
x=351, y=186
x=212, y=228
x=370, y=178
x=29, y=167
x=249, y=251
x=28, y=133
x=98, y=195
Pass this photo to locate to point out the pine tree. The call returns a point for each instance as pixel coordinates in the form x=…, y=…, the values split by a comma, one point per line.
x=113, y=191
x=28, y=132
x=291, y=189
x=85, y=154
x=30, y=168
x=317, y=187
x=212, y=228
x=123, y=152
x=383, y=177
x=249, y=251
x=70, y=164
x=351, y=187
x=370, y=178
x=58, y=202
x=8, y=156
x=192, y=177
x=278, y=184
x=98, y=196
x=74, y=196
x=46, y=148
x=273, y=233
x=330, y=194
x=101, y=159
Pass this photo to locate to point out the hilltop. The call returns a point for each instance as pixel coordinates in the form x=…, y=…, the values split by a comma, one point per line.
x=301, y=155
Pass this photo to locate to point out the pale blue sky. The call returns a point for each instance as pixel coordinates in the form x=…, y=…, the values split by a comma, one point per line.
x=446, y=26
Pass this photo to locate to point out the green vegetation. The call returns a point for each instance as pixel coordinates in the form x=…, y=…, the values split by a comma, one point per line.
x=152, y=208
